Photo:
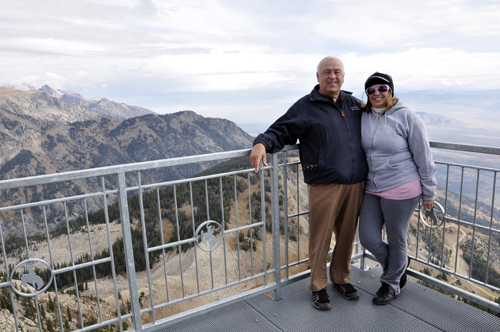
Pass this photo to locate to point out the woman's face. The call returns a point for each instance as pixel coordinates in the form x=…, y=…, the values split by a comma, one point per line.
x=379, y=99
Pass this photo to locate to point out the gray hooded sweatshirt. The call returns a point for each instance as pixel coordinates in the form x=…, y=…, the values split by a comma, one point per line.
x=397, y=150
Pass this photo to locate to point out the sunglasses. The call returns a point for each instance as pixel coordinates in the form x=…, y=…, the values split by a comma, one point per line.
x=381, y=88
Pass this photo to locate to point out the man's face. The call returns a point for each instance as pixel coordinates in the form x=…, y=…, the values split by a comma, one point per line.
x=330, y=77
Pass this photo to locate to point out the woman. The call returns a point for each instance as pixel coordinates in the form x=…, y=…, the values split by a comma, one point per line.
x=401, y=170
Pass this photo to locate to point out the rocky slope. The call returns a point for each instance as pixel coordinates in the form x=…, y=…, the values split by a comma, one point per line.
x=104, y=142
x=42, y=134
x=44, y=107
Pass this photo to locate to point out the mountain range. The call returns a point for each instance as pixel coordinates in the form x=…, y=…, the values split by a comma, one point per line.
x=67, y=131
x=48, y=131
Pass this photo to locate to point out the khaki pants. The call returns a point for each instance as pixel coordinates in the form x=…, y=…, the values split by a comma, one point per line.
x=333, y=208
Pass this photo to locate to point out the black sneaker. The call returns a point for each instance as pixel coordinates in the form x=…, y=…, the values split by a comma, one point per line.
x=404, y=277
x=347, y=290
x=384, y=296
x=321, y=300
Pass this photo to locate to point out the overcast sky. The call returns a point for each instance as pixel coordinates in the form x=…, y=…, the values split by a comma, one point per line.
x=246, y=61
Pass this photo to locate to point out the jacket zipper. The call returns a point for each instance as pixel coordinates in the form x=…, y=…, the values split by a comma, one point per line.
x=341, y=108
x=373, y=143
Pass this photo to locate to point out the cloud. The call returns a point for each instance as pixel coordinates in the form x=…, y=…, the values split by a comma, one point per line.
x=428, y=67
x=249, y=60
x=397, y=24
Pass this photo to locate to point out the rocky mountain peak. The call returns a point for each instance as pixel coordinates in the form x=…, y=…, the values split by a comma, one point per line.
x=42, y=106
x=74, y=98
x=51, y=91
x=66, y=99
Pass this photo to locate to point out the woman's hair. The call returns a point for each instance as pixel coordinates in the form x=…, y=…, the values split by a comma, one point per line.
x=391, y=101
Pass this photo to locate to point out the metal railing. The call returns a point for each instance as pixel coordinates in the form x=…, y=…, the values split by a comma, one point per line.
x=134, y=251
x=464, y=245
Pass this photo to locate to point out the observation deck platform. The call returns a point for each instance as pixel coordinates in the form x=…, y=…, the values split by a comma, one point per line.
x=418, y=308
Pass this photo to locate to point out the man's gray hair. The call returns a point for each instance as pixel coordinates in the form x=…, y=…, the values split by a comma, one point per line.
x=329, y=57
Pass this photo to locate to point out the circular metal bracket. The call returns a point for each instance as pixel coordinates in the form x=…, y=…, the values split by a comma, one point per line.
x=434, y=217
x=31, y=278
x=207, y=241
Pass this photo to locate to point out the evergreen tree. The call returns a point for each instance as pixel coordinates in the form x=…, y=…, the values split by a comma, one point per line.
x=68, y=313
x=50, y=325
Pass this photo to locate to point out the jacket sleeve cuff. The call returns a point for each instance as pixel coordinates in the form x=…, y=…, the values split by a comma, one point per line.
x=429, y=198
x=264, y=140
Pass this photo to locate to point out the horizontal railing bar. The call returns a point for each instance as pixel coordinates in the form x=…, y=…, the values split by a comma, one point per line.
x=5, y=284
x=307, y=273
x=455, y=290
x=57, y=200
x=284, y=267
x=439, y=268
x=170, y=245
x=288, y=163
x=187, y=180
x=467, y=223
x=111, y=170
x=71, y=268
x=489, y=169
x=298, y=214
x=242, y=228
x=82, y=265
x=357, y=256
x=296, y=277
x=208, y=291
x=465, y=147
x=178, y=243
x=104, y=323
x=290, y=148
x=445, y=270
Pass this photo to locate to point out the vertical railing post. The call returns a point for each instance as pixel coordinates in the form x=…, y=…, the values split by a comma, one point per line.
x=276, y=226
x=362, y=261
x=129, y=252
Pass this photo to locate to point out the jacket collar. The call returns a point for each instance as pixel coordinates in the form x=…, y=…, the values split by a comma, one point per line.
x=316, y=96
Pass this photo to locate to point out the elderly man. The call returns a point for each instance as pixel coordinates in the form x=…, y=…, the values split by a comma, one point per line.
x=327, y=123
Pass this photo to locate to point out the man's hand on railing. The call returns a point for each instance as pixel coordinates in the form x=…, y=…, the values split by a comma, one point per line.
x=258, y=153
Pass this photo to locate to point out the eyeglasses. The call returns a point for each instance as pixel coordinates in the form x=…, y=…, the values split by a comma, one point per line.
x=381, y=88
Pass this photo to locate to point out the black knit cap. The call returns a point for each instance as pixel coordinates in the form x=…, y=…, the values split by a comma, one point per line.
x=379, y=78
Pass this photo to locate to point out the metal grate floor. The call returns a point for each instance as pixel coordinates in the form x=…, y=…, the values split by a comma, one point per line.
x=416, y=309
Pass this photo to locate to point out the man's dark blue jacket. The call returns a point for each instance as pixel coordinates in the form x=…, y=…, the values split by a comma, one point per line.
x=329, y=136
